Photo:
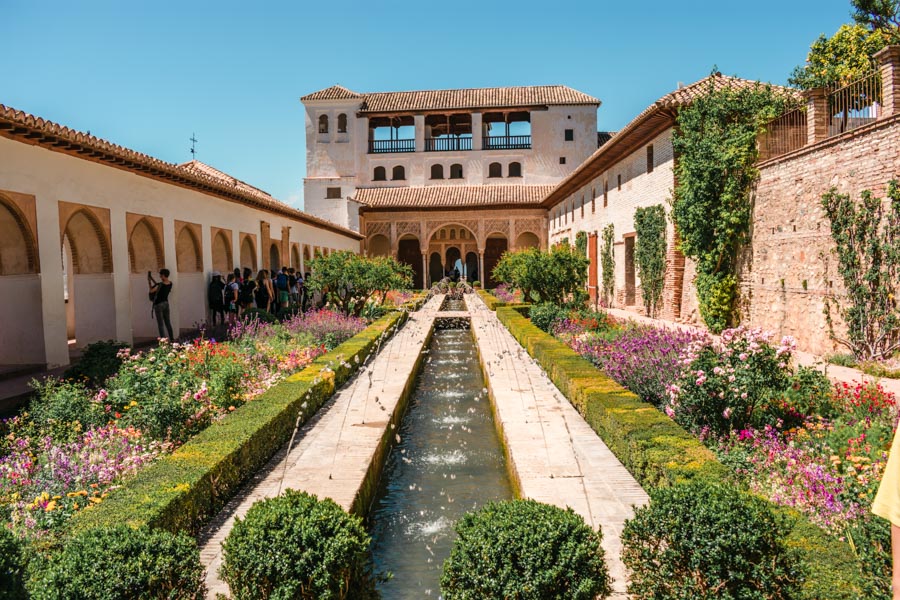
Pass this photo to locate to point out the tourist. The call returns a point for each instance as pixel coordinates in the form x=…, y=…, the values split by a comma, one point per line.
x=247, y=293
x=237, y=275
x=216, y=296
x=294, y=286
x=264, y=292
x=232, y=289
x=282, y=289
x=887, y=505
x=159, y=291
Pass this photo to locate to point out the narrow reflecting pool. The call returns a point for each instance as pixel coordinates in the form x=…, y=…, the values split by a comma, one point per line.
x=448, y=462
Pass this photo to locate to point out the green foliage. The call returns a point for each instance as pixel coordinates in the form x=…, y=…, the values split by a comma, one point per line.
x=840, y=59
x=348, y=280
x=296, y=546
x=883, y=15
x=99, y=361
x=556, y=276
x=715, y=140
x=118, y=563
x=525, y=549
x=705, y=542
x=871, y=539
x=650, y=254
x=581, y=241
x=258, y=314
x=608, y=264
x=62, y=410
x=867, y=245
x=545, y=314
x=12, y=566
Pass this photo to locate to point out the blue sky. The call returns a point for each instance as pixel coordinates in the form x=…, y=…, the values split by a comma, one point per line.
x=149, y=74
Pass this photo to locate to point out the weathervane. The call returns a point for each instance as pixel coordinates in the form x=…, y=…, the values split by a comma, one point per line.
x=193, y=146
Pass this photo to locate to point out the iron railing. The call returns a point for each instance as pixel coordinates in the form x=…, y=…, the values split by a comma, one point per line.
x=383, y=146
x=507, y=142
x=784, y=134
x=854, y=105
x=447, y=144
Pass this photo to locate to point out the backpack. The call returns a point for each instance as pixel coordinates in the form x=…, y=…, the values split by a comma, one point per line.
x=214, y=293
x=245, y=296
x=281, y=282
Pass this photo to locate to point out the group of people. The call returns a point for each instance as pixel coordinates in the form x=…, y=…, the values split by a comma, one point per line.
x=272, y=292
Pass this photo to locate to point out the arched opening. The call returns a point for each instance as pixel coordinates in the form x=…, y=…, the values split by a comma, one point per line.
x=191, y=281
x=515, y=169
x=17, y=251
x=456, y=171
x=306, y=256
x=21, y=327
x=380, y=174
x=248, y=253
x=342, y=123
x=274, y=258
x=398, y=173
x=145, y=251
x=437, y=171
x=323, y=123
x=88, y=292
x=379, y=245
x=187, y=251
x=295, y=258
x=435, y=268
x=495, y=169
x=410, y=252
x=527, y=239
x=90, y=247
x=472, y=267
x=495, y=245
x=453, y=263
x=221, y=253
x=145, y=248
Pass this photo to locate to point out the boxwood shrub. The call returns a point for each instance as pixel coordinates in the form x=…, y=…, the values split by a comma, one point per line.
x=527, y=550
x=708, y=541
x=658, y=452
x=116, y=563
x=493, y=302
x=12, y=566
x=297, y=546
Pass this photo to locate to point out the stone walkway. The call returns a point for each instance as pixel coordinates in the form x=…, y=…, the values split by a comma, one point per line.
x=555, y=455
x=334, y=449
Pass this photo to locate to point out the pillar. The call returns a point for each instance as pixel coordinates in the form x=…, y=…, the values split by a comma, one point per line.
x=53, y=310
x=817, y=115
x=425, y=271
x=889, y=63
x=477, y=138
x=171, y=263
x=482, y=276
x=118, y=233
x=419, y=122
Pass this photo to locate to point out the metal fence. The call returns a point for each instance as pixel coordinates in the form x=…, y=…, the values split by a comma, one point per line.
x=784, y=134
x=855, y=104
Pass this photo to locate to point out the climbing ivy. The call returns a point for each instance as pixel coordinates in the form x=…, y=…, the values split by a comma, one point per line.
x=608, y=264
x=650, y=254
x=867, y=245
x=581, y=240
x=715, y=141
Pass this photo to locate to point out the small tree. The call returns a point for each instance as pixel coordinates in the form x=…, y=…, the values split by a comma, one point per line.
x=650, y=254
x=556, y=276
x=349, y=280
x=867, y=246
x=608, y=264
x=880, y=15
x=840, y=59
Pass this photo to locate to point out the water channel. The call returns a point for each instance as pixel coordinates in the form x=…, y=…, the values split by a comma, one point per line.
x=448, y=461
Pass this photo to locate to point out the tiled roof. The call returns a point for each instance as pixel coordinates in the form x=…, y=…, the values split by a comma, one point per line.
x=24, y=127
x=453, y=196
x=424, y=100
x=659, y=114
x=335, y=92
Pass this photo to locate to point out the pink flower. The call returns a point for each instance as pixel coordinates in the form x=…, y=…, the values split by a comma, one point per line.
x=727, y=413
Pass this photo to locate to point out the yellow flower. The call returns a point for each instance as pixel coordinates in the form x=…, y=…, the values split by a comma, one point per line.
x=96, y=500
x=51, y=506
x=57, y=497
x=75, y=506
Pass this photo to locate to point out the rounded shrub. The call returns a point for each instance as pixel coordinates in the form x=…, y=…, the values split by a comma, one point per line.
x=527, y=550
x=115, y=563
x=709, y=541
x=12, y=567
x=297, y=546
x=98, y=362
x=258, y=314
x=545, y=314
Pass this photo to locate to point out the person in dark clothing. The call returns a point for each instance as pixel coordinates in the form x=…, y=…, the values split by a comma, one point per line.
x=161, y=291
x=237, y=275
x=263, y=293
x=216, y=296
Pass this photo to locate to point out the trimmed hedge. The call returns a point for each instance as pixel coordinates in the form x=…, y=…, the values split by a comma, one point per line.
x=658, y=452
x=493, y=302
x=183, y=489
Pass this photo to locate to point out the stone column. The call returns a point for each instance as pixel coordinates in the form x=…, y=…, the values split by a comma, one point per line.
x=476, y=131
x=171, y=262
x=53, y=309
x=482, y=276
x=889, y=63
x=419, y=121
x=817, y=115
x=121, y=275
x=425, y=271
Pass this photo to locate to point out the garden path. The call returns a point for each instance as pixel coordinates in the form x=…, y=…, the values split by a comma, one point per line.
x=335, y=448
x=554, y=454
x=836, y=373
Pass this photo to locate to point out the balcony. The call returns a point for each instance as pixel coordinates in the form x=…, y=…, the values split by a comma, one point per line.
x=507, y=142
x=448, y=144
x=388, y=146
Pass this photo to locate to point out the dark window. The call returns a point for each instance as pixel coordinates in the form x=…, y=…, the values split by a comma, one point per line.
x=582, y=206
x=570, y=135
x=437, y=171
x=398, y=174
x=515, y=169
x=605, y=193
x=619, y=186
x=332, y=193
x=495, y=170
x=323, y=123
x=380, y=174
x=650, y=158
x=593, y=200
x=562, y=160
x=342, y=123
x=456, y=171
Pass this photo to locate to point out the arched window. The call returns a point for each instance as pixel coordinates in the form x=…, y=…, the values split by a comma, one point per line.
x=342, y=123
x=456, y=171
x=437, y=171
x=515, y=169
x=380, y=174
x=495, y=170
x=399, y=173
x=323, y=123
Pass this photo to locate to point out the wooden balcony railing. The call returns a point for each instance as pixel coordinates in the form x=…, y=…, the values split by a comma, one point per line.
x=385, y=146
x=447, y=144
x=507, y=142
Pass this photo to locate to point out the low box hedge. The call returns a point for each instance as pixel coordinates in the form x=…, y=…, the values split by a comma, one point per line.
x=658, y=452
x=493, y=302
x=184, y=489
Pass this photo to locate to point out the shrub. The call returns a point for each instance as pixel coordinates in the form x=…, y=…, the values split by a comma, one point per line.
x=61, y=410
x=476, y=284
x=546, y=314
x=297, y=546
x=552, y=276
x=120, y=562
x=525, y=549
x=259, y=314
x=11, y=566
x=99, y=361
x=348, y=280
x=705, y=541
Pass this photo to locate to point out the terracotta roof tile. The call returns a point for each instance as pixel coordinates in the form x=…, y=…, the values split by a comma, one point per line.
x=199, y=167
x=452, y=196
x=335, y=92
